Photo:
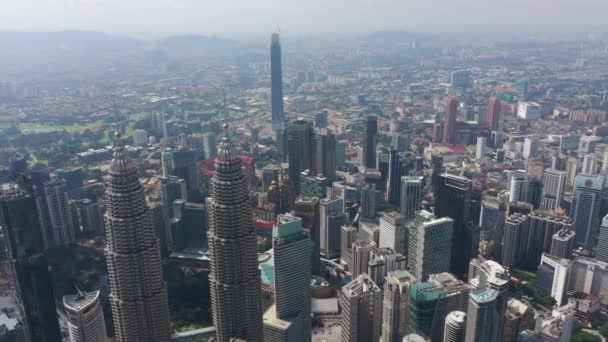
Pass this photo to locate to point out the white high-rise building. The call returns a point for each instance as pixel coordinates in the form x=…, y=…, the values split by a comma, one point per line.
x=382, y=261
x=488, y=274
x=392, y=231
x=605, y=163
x=85, y=317
x=361, y=254
x=531, y=148
x=528, y=110
x=454, y=329
x=348, y=236
x=518, y=186
x=552, y=277
x=332, y=218
x=589, y=165
x=361, y=306
x=554, y=183
x=411, y=196
x=601, y=253
x=395, y=307
x=589, y=276
x=554, y=326
x=481, y=147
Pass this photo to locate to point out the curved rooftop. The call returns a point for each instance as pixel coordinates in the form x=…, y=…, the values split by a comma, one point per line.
x=81, y=300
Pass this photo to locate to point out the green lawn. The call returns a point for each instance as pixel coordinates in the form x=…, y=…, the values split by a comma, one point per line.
x=69, y=128
x=523, y=275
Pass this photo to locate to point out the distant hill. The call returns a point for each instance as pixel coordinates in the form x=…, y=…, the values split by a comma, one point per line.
x=394, y=36
x=56, y=54
x=194, y=41
x=71, y=40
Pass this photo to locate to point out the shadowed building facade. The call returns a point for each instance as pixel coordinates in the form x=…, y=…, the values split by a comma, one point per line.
x=234, y=278
x=276, y=84
x=140, y=308
x=23, y=234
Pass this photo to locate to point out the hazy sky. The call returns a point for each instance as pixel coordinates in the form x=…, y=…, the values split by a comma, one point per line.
x=160, y=17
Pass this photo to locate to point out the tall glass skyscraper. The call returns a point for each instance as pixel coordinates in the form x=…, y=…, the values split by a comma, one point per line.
x=30, y=268
x=432, y=301
x=371, y=140
x=411, y=196
x=482, y=310
x=289, y=318
x=234, y=279
x=324, y=155
x=276, y=82
x=400, y=165
x=429, y=245
x=453, y=200
x=138, y=295
x=300, y=137
x=585, y=211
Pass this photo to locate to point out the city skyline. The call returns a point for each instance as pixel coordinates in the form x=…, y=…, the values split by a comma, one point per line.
x=381, y=184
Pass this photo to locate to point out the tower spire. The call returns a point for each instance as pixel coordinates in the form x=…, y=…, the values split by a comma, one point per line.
x=138, y=292
x=234, y=280
x=120, y=162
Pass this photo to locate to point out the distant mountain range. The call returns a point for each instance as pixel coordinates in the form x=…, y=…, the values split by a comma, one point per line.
x=395, y=36
x=89, y=40
x=194, y=41
x=65, y=40
x=46, y=55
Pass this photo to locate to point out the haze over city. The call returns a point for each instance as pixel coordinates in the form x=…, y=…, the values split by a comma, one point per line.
x=241, y=17
x=303, y=171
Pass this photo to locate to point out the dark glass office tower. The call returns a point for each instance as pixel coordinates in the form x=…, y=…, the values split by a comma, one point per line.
x=276, y=84
x=371, y=140
x=453, y=199
x=324, y=158
x=400, y=165
x=307, y=208
x=300, y=135
x=276, y=81
x=30, y=268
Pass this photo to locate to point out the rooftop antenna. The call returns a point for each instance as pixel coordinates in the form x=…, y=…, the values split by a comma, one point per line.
x=116, y=116
x=224, y=105
x=79, y=292
x=224, y=113
x=118, y=143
